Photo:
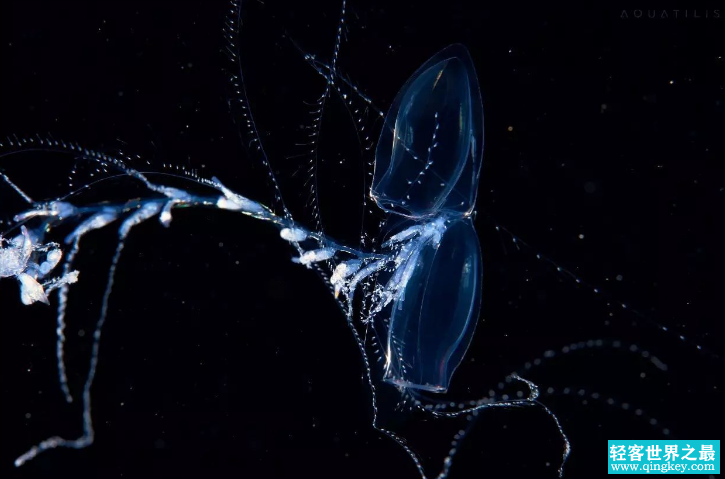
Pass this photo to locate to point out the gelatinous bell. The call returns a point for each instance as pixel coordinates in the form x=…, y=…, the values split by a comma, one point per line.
x=433, y=321
x=428, y=158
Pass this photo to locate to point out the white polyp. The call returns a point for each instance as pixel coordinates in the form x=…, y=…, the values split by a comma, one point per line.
x=235, y=202
x=403, y=235
x=396, y=286
x=342, y=272
x=30, y=290
x=26, y=246
x=345, y=270
x=435, y=230
x=97, y=221
x=165, y=216
x=293, y=235
x=63, y=209
x=364, y=273
x=30, y=214
x=227, y=204
x=317, y=255
x=45, y=268
x=408, y=271
x=145, y=212
x=53, y=257
x=175, y=193
x=60, y=209
x=240, y=203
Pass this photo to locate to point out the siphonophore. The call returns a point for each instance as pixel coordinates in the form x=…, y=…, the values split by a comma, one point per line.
x=381, y=204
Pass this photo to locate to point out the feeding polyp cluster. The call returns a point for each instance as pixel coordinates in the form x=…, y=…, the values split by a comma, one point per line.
x=29, y=261
x=401, y=254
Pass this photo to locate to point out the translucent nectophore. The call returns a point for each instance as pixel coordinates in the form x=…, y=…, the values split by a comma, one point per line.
x=411, y=277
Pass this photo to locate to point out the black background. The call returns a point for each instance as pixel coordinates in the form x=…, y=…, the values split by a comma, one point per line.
x=221, y=358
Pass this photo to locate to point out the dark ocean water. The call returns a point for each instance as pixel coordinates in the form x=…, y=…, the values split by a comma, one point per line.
x=221, y=358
